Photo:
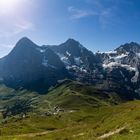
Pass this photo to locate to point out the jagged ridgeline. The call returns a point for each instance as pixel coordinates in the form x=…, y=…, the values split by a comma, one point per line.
x=37, y=68
x=67, y=92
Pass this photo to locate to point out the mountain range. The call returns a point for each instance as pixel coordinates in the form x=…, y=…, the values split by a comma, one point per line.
x=38, y=68
x=67, y=92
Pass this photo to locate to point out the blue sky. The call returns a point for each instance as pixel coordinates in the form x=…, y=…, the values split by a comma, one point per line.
x=98, y=24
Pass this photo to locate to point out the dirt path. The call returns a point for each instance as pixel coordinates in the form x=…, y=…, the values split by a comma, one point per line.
x=111, y=133
x=40, y=133
x=106, y=135
x=34, y=134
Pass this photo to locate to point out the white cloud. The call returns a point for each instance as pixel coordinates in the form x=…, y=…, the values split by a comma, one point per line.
x=79, y=13
x=23, y=26
x=103, y=14
x=104, y=10
x=16, y=28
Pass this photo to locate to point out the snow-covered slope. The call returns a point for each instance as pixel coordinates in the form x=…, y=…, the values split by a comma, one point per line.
x=126, y=57
x=81, y=63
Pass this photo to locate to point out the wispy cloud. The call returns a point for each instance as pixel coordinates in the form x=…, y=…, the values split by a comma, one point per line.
x=23, y=26
x=104, y=10
x=103, y=14
x=79, y=13
x=106, y=16
x=16, y=28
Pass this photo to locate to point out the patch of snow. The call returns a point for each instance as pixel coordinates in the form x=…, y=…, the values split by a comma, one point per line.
x=77, y=60
x=110, y=52
x=121, y=56
x=116, y=64
x=83, y=70
x=135, y=77
x=111, y=64
x=74, y=67
x=64, y=59
x=68, y=53
x=41, y=50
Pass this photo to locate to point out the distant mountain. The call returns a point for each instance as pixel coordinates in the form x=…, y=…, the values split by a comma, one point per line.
x=129, y=47
x=79, y=61
x=122, y=67
x=33, y=67
x=84, y=94
x=72, y=53
x=39, y=67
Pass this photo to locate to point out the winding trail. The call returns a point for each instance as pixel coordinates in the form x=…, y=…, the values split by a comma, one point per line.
x=111, y=133
x=31, y=135
x=34, y=134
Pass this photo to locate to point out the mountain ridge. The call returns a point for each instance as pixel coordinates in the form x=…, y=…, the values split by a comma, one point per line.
x=40, y=67
x=88, y=98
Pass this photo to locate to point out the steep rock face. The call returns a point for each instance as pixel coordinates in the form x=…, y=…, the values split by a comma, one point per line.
x=31, y=66
x=40, y=67
x=122, y=67
x=129, y=47
x=73, y=53
x=79, y=61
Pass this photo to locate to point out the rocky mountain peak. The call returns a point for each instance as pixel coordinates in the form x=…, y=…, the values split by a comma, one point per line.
x=129, y=47
x=72, y=46
x=26, y=42
x=71, y=42
x=39, y=67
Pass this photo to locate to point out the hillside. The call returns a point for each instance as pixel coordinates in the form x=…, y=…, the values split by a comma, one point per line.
x=66, y=92
x=67, y=95
x=74, y=120
x=71, y=111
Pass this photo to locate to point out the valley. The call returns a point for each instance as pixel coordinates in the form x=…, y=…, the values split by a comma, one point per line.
x=66, y=92
x=69, y=111
x=69, y=70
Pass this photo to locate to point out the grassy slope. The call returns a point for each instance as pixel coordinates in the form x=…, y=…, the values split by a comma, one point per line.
x=71, y=94
x=93, y=115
